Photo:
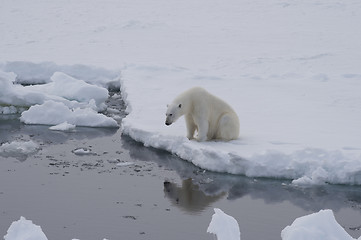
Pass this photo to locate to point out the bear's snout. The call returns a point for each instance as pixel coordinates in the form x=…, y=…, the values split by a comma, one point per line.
x=167, y=123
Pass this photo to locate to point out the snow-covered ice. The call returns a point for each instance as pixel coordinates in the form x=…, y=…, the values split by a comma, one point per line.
x=19, y=149
x=24, y=229
x=225, y=227
x=62, y=98
x=297, y=129
x=70, y=88
x=289, y=69
x=54, y=113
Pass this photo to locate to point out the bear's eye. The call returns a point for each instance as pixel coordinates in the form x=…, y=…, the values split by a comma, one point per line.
x=170, y=114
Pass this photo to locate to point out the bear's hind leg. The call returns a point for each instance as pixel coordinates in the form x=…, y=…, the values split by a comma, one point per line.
x=228, y=129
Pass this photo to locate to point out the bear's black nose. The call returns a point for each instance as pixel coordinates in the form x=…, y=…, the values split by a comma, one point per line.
x=167, y=123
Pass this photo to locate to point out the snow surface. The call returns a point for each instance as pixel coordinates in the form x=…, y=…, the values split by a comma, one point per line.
x=225, y=227
x=291, y=70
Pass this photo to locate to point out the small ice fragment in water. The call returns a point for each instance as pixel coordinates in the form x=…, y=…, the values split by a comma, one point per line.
x=225, y=227
x=124, y=164
x=82, y=151
x=65, y=126
x=24, y=230
x=19, y=147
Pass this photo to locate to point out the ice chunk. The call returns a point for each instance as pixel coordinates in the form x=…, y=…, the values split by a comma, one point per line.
x=40, y=73
x=82, y=151
x=65, y=126
x=17, y=95
x=6, y=81
x=8, y=110
x=18, y=147
x=68, y=88
x=225, y=227
x=125, y=164
x=74, y=98
x=318, y=177
x=24, y=229
x=75, y=89
x=54, y=113
x=316, y=226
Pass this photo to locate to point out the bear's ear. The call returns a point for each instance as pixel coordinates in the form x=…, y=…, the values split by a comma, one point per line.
x=180, y=105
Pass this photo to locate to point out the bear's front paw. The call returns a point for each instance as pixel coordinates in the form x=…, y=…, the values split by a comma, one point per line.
x=190, y=137
x=201, y=139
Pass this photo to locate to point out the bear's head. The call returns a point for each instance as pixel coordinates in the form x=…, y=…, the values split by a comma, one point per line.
x=174, y=111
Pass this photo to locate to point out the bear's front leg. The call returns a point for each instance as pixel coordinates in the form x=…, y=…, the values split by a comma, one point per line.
x=202, y=131
x=191, y=127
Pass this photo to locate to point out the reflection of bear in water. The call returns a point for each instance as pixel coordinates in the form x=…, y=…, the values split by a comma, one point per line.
x=189, y=197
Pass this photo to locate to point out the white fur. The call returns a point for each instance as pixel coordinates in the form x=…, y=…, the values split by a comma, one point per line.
x=205, y=113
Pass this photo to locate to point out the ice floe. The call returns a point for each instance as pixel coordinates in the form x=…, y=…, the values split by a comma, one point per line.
x=60, y=98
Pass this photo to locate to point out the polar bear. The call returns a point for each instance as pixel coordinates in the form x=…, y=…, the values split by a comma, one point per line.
x=205, y=113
